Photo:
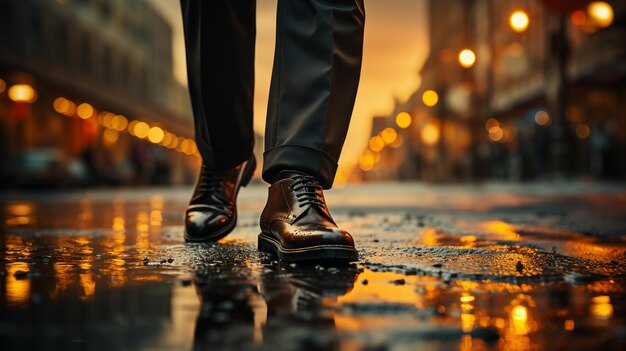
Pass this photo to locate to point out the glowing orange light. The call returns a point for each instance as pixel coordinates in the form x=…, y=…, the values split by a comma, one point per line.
x=119, y=122
x=389, y=135
x=141, y=129
x=496, y=133
x=155, y=135
x=399, y=141
x=491, y=123
x=430, y=98
x=430, y=133
x=601, y=13
x=22, y=93
x=403, y=120
x=376, y=143
x=3, y=85
x=578, y=18
x=583, y=131
x=542, y=118
x=84, y=110
x=467, y=58
x=519, y=21
x=110, y=136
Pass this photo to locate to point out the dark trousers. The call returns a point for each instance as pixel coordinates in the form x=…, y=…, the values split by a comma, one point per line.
x=317, y=64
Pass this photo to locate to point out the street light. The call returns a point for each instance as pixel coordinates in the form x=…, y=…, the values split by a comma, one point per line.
x=519, y=21
x=601, y=13
x=467, y=58
x=22, y=93
x=430, y=98
x=403, y=120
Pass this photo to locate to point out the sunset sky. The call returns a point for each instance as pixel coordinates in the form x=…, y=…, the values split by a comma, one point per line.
x=395, y=48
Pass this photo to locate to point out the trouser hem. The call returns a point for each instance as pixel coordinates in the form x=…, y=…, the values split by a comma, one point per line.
x=311, y=161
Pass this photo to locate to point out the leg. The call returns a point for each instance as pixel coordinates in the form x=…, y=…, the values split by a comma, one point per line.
x=317, y=63
x=316, y=74
x=219, y=42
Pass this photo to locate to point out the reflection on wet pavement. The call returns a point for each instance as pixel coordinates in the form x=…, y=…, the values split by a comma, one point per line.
x=110, y=271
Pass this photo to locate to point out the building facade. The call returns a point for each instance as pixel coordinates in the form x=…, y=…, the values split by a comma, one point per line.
x=514, y=90
x=89, y=83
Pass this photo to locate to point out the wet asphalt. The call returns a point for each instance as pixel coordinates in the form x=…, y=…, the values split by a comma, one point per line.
x=443, y=267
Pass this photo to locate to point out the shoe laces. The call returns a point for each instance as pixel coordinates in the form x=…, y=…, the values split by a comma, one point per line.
x=211, y=183
x=308, y=191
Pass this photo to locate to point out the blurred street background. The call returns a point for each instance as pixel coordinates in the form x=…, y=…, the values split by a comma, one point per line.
x=93, y=92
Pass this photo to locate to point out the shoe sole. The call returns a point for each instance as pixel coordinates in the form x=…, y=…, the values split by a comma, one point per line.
x=245, y=179
x=272, y=246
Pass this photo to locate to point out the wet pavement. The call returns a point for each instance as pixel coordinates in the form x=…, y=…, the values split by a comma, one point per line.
x=484, y=267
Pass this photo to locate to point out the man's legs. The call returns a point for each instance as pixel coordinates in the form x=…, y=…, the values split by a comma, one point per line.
x=219, y=42
x=317, y=64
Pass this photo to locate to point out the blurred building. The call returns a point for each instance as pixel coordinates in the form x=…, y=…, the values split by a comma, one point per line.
x=512, y=90
x=87, y=92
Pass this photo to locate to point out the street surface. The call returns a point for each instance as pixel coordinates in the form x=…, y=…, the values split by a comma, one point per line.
x=443, y=267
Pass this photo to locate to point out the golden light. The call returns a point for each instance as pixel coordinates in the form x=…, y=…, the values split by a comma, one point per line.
x=403, y=120
x=467, y=58
x=467, y=298
x=110, y=136
x=399, y=141
x=174, y=143
x=84, y=110
x=491, y=123
x=430, y=133
x=519, y=313
x=389, y=135
x=22, y=93
x=569, y=325
x=188, y=146
x=430, y=98
x=141, y=130
x=61, y=105
x=155, y=135
x=119, y=122
x=601, y=307
x=131, y=127
x=519, y=21
x=496, y=134
x=583, y=131
x=601, y=13
x=376, y=143
x=167, y=139
x=367, y=161
x=542, y=118
x=3, y=85
x=578, y=18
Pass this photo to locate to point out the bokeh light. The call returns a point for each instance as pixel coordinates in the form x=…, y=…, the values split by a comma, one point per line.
x=389, y=135
x=22, y=93
x=430, y=133
x=84, y=110
x=467, y=58
x=403, y=120
x=519, y=21
x=141, y=130
x=155, y=135
x=376, y=143
x=3, y=85
x=542, y=118
x=583, y=131
x=601, y=13
x=430, y=98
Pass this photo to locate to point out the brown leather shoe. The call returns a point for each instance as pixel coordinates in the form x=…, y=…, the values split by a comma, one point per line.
x=212, y=211
x=296, y=224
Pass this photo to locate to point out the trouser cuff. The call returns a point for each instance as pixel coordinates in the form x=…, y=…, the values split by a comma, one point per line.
x=221, y=160
x=304, y=159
